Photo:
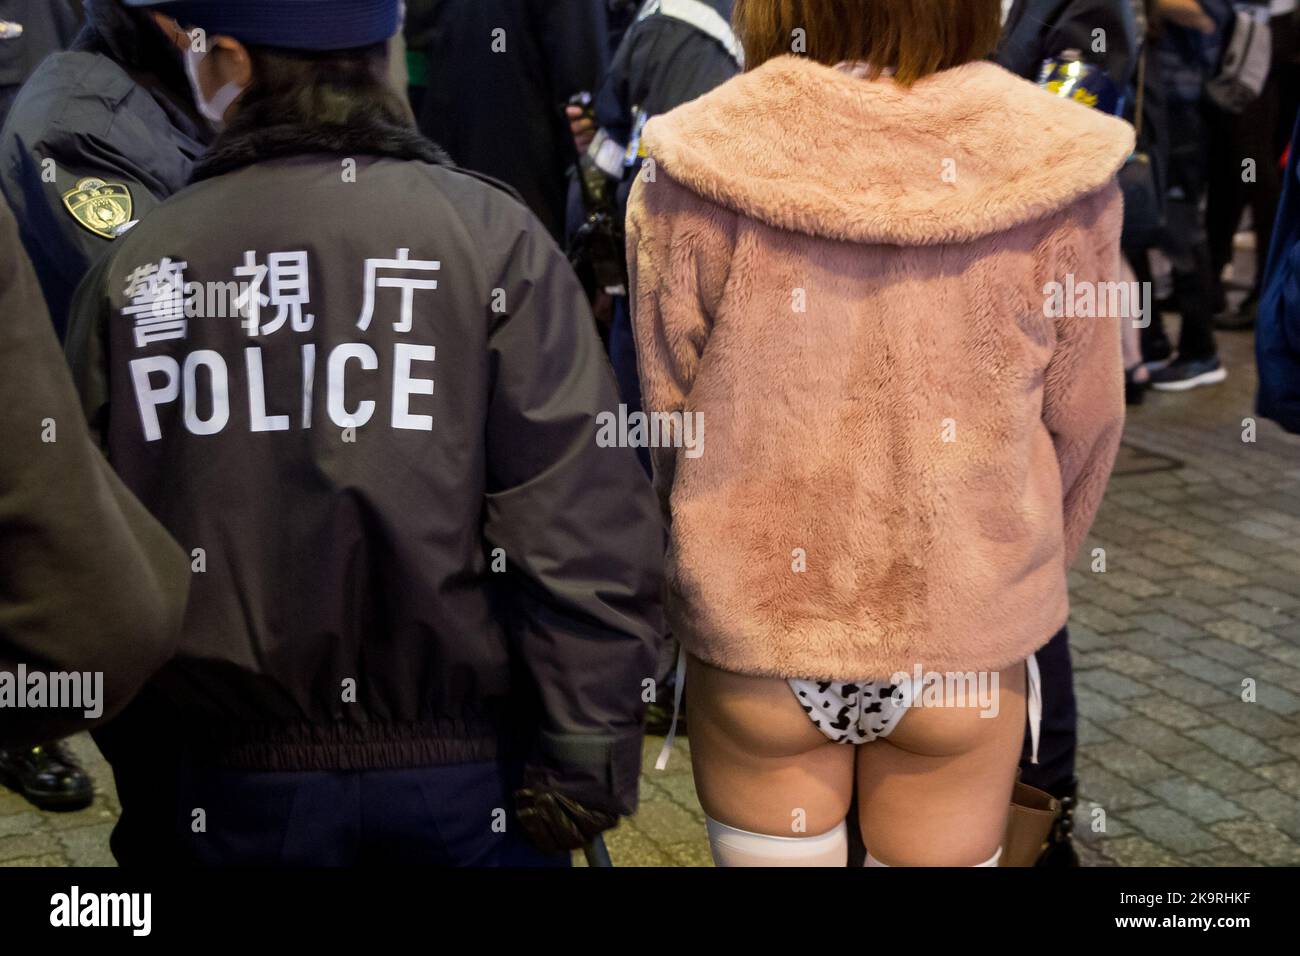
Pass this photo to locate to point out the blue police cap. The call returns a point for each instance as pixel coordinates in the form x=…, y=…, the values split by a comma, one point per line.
x=288, y=24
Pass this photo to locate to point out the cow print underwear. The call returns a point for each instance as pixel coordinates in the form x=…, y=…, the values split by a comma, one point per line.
x=852, y=712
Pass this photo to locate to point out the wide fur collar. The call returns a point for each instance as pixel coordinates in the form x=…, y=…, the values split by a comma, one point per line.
x=962, y=154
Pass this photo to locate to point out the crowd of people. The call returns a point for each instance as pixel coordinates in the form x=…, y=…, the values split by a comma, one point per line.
x=416, y=600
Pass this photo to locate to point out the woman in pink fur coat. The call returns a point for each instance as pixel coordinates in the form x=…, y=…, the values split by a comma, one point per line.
x=883, y=273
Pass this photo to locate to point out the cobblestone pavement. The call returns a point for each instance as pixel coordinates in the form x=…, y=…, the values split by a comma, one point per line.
x=1201, y=532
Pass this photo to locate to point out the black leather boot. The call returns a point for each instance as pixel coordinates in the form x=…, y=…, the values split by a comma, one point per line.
x=47, y=775
x=1059, y=850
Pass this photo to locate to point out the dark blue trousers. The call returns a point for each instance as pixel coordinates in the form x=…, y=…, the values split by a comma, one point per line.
x=458, y=815
x=1059, y=737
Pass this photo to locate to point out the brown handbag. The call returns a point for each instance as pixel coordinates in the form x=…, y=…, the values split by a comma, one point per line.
x=1028, y=822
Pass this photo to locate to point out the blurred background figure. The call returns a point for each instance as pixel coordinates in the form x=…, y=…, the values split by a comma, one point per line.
x=498, y=76
x=1277, y=338
x=1186, y=49
x=30, y=30
x=675, y=51
x=1246, y=141
x=1102, y=32
x=1038, y=34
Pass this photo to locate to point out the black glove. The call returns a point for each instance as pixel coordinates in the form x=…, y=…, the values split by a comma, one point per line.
x=555, y=823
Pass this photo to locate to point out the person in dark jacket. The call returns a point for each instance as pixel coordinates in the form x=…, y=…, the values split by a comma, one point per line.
x=1188, y=46
x=30, y=30
x=674, y=52
x=1277, y=336
x=96, y=138
x=1102, y=31
x=499, y=75
x=1035, y=31
x=91, y=586
x=425, y=586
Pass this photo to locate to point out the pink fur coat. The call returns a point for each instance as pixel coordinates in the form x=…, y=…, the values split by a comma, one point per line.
x=903, y=446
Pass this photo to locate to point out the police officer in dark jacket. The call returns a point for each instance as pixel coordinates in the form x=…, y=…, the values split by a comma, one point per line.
x=500, y=74
x=30, y=30
x=359, y=385
x=96, y=138
x=91, y=586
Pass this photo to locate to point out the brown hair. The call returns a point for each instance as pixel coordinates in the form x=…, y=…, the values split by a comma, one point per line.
x=914, y=38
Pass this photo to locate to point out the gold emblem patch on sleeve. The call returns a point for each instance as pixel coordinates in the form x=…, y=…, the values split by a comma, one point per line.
x=99, y=206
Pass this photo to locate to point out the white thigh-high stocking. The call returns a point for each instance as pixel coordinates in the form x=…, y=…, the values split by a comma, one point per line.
x=734, y=847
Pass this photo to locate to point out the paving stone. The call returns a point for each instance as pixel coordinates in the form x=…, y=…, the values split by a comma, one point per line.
x=692, y=853
x=1271, y=598
x=1171, y=828
x=33, y=843
x=1089, y=733
x=1235, y=745
x=1165, y=625
x=1136, y=851
x=1262, y=617
x=1170, y=712
x=1241, y=632
x=88, y=846
x=1223, y=856
x=1152, y=737
x=18, y=824
x=1185, y=609
x=1128, y=663
x=1196, y=800
x=1135, y=586
x=628, y=846
x=1192, y=691
x=1218, y=577
x=1206, y=669
x=1285, y=776
x=1097, y=706
x=1274, y=807
x=47, y=859
x=1229, y=653
x=1098, y=619
x=1261, y=842
x=1113, y=793
x=1253, y=719
x=1212, y=770
x=1106, y=681
x=1131, y=763
x=1112, y=599
x=1083, y=638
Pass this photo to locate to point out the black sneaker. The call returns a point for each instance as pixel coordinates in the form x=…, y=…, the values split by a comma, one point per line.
x=48, y=776
x=1181, y=375
x=1240, y=319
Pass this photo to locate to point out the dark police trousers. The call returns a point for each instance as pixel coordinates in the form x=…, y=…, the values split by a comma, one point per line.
x=456, y=815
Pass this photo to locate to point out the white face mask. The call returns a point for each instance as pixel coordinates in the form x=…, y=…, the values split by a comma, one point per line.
x=215, y=108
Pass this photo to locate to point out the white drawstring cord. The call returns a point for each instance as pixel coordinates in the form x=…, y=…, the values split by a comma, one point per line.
x=662, y=762
x=1035, y=705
